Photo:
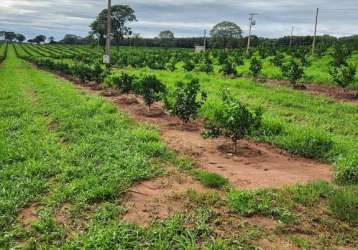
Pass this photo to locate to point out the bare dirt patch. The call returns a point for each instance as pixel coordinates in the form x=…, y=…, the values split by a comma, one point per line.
x=277, y=243
x=28, y=215
x=256, y=165
x=264, y=222
x=62, y=214
x=158, y=198
x=334, y=92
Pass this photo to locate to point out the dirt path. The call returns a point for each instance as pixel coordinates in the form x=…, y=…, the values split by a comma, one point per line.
x=159, y=198
x=257, y=165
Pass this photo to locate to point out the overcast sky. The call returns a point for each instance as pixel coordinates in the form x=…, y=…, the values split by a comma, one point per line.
x=183, y=17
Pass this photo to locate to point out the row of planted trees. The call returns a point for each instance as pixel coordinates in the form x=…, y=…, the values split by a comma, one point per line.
x=341, y=70
x=292, y=63
x=232, y=119
x=3, y=55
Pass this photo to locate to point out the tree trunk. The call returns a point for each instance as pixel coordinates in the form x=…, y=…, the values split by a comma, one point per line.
x=235, y=146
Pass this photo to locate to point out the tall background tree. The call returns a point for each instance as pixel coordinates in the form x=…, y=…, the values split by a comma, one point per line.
x=122, y=15
x=166, y=38
x=20, y=38
x=8, y=35
x=38, y=39
x=51, y=39
x=225, y=34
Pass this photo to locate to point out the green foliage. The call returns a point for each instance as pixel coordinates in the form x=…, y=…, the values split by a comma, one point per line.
x=187, y=102
x=124, y=82
x=225, y=34
x=171, y=65
x=228, y=68
x=98, y=73
x=344, y=204
x=151, y=88
x=234, y=120
x=293, y=71
x=188, y=65
x=121, y=15
x=205, y=65
x=343, y=75
x=340, y=54
x=82, y=71
x=255, y=67
x=211, y=180
x=278, y=60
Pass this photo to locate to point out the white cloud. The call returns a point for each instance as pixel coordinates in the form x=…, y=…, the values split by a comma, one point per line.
x=184, y=17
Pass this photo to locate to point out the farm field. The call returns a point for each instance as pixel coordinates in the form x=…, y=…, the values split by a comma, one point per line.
x=77, y=173
x=316, y=69
x=298, y=122
x=186, y=125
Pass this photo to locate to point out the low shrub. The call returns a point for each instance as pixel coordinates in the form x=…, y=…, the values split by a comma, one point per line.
x=233, y=120
x=188, y=65
x=151, y=88
x=343, y=75
x=293, y=71
x=82, y=71
x=124, y=82
x=187, y=100
x=255, y=67
x=228, y=68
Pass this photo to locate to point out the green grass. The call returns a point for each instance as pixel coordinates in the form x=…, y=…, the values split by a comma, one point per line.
x=210, y=180
x=281, y=203
x=65, y=145
x=344, y=204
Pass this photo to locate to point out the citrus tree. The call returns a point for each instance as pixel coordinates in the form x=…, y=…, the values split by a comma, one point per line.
x=233, y=120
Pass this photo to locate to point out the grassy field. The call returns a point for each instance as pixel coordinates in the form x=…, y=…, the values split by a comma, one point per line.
x=293, y=120
x=62, y=148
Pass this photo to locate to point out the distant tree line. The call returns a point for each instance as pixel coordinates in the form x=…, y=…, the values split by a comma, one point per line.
x=226, y=35
x=191, y=42
x=12, y=36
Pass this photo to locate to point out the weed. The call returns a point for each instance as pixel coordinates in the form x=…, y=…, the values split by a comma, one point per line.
x=211, y=180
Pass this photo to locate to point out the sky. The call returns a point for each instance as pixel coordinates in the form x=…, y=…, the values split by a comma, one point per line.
x=183, y=17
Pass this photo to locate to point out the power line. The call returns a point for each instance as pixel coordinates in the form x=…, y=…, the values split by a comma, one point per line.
x=350, y=9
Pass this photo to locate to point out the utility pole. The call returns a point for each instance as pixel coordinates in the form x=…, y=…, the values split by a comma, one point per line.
x=315, y=32
x=252, y=23
x=107, y=56
x=204, y=40
x=291, y=38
